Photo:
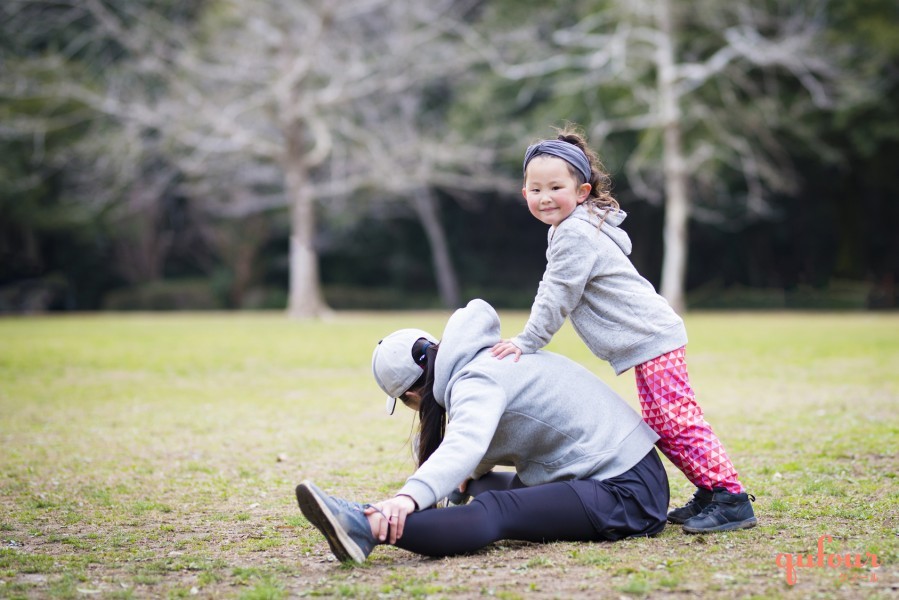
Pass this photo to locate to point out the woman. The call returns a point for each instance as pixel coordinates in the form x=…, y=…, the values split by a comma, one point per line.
x=585, y=465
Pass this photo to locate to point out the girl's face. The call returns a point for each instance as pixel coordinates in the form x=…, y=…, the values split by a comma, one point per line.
x=551, y=190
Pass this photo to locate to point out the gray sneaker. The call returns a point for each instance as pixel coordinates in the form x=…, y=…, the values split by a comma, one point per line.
x=343, y=523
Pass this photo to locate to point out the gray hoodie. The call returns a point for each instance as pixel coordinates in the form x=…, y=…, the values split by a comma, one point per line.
x=614, y=310
x=545, y=415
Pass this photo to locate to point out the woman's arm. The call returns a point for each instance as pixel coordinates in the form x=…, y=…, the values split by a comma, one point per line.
x=387, y=518
x=476, y=405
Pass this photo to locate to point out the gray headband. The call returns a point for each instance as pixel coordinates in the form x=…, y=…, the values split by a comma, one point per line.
x=567, y=152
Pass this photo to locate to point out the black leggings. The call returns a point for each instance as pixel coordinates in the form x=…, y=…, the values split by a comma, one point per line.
x=630, y=504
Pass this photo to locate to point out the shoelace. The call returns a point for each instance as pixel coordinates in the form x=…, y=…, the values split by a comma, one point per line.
x=714, y=506
x=694, y=500
x=376, y=509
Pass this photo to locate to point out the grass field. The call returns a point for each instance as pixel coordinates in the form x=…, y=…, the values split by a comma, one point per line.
x=156, y=456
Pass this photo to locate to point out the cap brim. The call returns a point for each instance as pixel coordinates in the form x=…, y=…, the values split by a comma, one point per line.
x=391, y=405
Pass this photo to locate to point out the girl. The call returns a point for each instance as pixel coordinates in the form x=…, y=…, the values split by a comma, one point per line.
x=586, y=467
x=622, y=319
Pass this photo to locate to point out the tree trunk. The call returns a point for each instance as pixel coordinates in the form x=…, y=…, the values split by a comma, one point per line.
x=246, y=244
x=677, y=205
x=306, y=300
x=447, y=283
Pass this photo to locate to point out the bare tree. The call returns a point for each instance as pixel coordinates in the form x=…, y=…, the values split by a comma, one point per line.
x=252, y=86
x=707, y=99
x=277, y=81
x=410, y=153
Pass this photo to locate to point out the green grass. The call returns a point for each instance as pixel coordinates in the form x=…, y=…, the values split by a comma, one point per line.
x=156, y=456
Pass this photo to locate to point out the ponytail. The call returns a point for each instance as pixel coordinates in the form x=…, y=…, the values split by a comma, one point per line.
x=431, y=416
x=600, y=198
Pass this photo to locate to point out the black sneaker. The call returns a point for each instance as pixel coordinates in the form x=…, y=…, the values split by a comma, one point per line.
x=725, y=512
x=456, y=498
x=700, y=500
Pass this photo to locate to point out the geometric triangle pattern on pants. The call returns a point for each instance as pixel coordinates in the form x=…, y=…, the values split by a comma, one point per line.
x=669, y=408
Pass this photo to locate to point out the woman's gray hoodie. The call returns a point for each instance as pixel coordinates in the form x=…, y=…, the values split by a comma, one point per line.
x=545, y=415
x=612, y=307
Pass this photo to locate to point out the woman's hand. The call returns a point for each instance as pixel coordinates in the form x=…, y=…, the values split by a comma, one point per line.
x=391, y=519
x=504, y=348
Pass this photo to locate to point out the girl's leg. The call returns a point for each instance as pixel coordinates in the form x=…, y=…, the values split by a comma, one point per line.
x=669, y=407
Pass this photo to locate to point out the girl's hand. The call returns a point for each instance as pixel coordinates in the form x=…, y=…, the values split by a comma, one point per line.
x=504, y=348
x=391, y=519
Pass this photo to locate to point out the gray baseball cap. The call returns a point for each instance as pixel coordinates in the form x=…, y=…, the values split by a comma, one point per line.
x=393, y=365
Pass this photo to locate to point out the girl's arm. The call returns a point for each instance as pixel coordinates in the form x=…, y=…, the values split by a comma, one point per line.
x=569, y=266
x=504, y=348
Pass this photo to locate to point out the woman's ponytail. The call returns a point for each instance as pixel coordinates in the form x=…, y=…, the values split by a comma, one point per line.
x=432, y=416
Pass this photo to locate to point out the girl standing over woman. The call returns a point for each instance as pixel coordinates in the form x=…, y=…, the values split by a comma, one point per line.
x=585, y=464
x=622, y=319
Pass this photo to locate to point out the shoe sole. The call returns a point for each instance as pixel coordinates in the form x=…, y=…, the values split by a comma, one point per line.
x=747, y=524
x=678, y=521
x=316, y=512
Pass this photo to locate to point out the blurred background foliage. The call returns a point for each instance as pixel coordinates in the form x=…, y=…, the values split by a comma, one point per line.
x=157, y=154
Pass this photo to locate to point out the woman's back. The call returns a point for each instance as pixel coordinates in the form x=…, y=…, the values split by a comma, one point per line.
x=559, y=420
x=545, y=415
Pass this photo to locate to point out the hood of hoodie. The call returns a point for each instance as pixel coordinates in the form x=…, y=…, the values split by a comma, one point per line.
x=468, y=331
x=610, y=227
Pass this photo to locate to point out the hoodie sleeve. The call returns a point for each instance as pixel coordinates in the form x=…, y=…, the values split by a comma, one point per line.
x=477, y=406
x=568, y=268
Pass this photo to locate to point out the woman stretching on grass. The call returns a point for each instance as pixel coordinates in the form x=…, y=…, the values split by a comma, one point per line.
x=586, y=468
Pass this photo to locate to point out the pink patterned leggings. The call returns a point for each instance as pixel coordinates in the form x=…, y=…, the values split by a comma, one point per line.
x=669, y=408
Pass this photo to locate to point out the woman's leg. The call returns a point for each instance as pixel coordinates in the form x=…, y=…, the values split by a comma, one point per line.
x=581, y=510
x=541, y=513
x=669, y=407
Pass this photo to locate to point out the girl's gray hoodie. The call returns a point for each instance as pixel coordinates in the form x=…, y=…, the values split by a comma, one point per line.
x=589, y=277
x=545, y=415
